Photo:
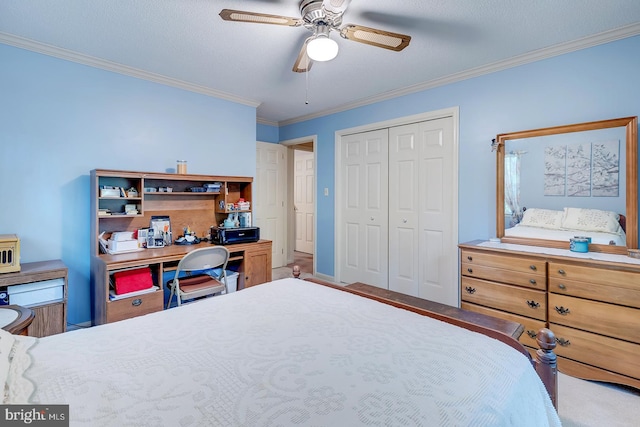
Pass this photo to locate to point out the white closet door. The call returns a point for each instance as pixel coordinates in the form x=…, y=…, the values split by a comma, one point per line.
x=421, y=209
x=268, y=198
x=364, y=214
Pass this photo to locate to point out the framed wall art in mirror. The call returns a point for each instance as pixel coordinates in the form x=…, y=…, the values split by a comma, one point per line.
x=563, y=182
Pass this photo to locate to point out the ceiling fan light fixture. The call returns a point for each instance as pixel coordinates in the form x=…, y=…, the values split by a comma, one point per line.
x=322, y=48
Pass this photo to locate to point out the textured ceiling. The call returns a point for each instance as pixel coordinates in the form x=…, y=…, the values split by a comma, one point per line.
x=185, y=43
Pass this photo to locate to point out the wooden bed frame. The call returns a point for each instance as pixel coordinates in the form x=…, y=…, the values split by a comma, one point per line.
x=506, y=331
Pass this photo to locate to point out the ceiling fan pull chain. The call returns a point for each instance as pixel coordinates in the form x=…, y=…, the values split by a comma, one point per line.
x=306, y=82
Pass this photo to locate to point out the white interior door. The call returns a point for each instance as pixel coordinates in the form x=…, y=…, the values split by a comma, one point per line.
x=364, y=210
x=304, y=203
x=421, y=206
x=268, y=198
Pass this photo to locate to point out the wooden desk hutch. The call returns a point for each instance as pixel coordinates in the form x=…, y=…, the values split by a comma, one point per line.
x=185, y=208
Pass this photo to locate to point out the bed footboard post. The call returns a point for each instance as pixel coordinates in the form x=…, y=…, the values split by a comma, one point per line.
x=296, y=271
x=546, y=363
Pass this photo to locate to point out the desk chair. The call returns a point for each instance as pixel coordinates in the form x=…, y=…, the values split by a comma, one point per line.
x=195, y=282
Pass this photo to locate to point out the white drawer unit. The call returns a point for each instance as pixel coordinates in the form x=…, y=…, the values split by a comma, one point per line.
x=36, y=293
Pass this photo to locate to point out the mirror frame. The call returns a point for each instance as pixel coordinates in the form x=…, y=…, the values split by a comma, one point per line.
x=631, y=151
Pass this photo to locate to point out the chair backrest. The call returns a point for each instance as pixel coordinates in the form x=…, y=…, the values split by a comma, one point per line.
x=204, y=259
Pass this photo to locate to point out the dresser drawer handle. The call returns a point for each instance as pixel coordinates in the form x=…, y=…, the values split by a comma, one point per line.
x=563, y=311
x=533, y=267
x=561, y=271
x=470, y=270
x=470, y=290
x=136, y=302
x=533, y=304
x=562, y=286
x=563, y=342
x=531, y=333
x=532, y=281
x=469, y=257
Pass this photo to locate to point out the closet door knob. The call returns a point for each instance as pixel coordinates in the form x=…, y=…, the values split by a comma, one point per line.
x=404, y=220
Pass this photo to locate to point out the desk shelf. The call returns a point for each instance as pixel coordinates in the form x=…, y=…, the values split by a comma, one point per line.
x=197, y=210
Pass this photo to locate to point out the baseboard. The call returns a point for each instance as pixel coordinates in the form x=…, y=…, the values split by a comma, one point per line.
x=81, y=325
x=324, y=277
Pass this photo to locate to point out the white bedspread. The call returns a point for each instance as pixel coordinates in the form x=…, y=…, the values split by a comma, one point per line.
x=287, y=352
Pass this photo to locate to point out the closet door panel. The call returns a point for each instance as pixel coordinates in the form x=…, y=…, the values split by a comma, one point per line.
x=404, y=201
x=365, y=213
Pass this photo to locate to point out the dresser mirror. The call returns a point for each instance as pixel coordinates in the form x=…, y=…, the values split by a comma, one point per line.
x=572, y=181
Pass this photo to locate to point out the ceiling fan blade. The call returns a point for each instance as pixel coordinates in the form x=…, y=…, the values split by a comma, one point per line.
x=303, y=63
x=379, y=38
x=258, y=18
x=335, y=6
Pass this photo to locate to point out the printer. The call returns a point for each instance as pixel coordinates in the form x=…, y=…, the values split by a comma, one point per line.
x=231, y=235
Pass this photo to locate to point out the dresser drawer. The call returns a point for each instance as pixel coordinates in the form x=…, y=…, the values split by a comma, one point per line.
x=514, y=299
x=134, y=306
x=617, y=285
x=620, y=293
x=597, y=350
x=518, y=263
x=512, y=277
x=531, y=326
x=602, y=318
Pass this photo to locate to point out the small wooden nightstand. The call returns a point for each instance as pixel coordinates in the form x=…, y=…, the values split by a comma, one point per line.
x=16, y=319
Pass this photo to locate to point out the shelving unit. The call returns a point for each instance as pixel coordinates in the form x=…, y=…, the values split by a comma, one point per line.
x=173, y=195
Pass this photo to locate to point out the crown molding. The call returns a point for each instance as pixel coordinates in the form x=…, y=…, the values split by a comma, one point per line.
x=533, y=56
x=266, y=122
x=69, y=55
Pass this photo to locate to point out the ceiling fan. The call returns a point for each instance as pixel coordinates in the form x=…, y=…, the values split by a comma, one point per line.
x=321, y=17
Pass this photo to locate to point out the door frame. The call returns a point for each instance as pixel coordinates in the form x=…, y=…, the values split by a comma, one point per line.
x=290, y=243
x=454, y=113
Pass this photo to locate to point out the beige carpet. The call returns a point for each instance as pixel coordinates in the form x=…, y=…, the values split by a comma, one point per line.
x=589, y=403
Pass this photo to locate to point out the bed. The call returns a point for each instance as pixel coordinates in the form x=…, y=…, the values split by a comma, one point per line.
x=603, y=227
x=287, y=352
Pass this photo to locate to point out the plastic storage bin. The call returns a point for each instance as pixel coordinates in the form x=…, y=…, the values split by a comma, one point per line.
x=36, y=293
x=232, y=281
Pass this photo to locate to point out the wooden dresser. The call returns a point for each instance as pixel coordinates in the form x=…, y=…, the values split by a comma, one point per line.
x=590, y=301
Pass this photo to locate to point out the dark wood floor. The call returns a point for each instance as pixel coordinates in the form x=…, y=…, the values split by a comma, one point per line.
x=304, y=260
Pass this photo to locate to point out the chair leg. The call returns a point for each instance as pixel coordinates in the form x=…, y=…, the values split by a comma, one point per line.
x=171, y=296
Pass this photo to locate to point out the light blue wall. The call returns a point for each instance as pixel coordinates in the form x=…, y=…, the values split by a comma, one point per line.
x=59, y=120
x=592, y=84
x=267, y=133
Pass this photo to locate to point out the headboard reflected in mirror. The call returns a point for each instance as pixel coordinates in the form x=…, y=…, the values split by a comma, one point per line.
x=556, y=183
